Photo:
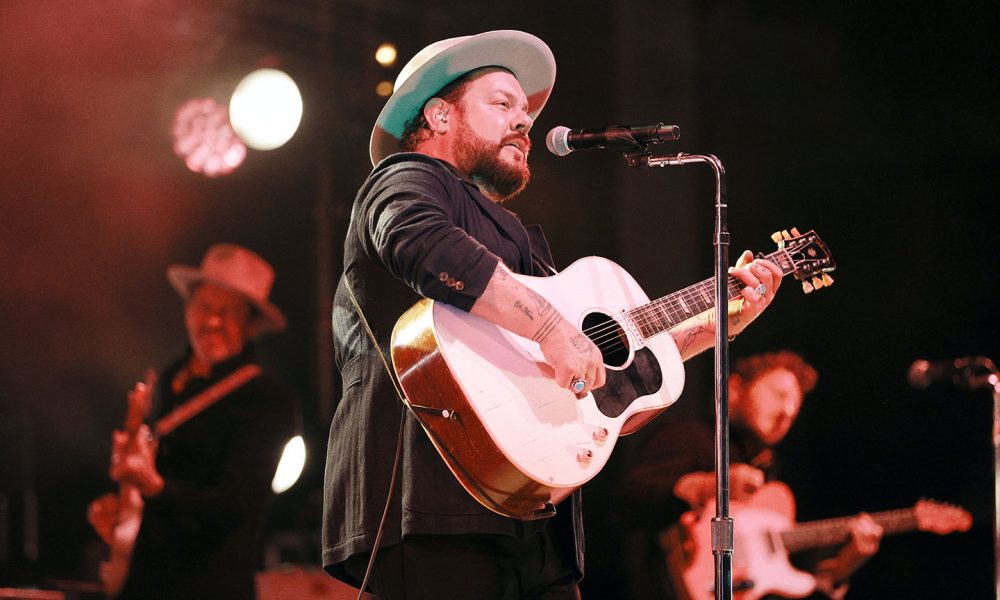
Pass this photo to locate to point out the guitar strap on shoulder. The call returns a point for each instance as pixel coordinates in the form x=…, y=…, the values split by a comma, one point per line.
x=219, y=390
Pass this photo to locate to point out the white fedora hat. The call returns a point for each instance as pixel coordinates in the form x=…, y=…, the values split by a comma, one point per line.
x=437, y=65
x=238, y=269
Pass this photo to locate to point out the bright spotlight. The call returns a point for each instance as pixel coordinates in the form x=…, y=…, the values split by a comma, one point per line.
x=266, y=109
x=384, y=89
x=386, y=55
x=293, y=458
x=205, y=140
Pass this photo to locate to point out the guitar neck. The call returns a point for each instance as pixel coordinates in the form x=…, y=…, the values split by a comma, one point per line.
x=673, y=309
x=833, y=532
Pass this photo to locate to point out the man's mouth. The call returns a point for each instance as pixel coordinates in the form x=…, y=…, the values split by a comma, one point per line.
x=521, y=145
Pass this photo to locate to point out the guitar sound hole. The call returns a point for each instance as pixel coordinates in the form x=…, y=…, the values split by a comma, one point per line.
x=608, y=336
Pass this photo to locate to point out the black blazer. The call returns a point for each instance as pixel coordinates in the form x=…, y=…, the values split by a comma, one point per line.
x=419, y=228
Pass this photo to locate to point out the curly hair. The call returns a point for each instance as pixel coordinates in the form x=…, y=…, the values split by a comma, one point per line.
x=750, y=368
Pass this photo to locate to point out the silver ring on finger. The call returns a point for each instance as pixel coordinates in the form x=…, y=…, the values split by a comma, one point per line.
x=761, y=289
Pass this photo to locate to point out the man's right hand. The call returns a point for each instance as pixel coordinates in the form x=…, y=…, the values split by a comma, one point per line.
x=102, y=514
x=572, y=356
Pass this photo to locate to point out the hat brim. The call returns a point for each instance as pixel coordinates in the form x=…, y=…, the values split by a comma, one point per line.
x=269, y=319
x=523, y=54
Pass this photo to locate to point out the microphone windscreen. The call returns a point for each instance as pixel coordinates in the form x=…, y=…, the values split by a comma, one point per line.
x=557, y=141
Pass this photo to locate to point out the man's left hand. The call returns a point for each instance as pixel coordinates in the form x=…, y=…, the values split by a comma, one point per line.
x=761, y=280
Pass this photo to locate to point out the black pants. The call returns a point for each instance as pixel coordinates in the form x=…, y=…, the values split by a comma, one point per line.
x=469, y=567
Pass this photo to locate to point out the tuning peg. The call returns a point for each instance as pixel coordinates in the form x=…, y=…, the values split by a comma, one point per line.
x=827, y=280
x=795, y=232
x=785, y=234
x=817, y=282
x=806, y=287
x=776, y=237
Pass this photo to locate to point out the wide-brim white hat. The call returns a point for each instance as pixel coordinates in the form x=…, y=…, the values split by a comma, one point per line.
x=238, y=269
x=437, y=65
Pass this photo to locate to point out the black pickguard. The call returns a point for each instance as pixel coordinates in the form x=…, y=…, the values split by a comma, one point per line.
x=641, y=378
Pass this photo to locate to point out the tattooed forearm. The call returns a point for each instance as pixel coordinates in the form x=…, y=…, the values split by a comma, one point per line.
x=527, y=311
x=547, y=326
x=543, y=305
x=690, y=337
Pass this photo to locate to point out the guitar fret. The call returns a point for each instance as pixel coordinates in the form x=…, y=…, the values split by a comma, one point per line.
x=705, y=295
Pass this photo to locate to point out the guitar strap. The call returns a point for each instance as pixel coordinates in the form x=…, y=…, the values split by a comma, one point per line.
x=219, y=390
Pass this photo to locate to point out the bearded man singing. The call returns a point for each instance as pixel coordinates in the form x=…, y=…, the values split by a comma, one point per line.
x=448, y=148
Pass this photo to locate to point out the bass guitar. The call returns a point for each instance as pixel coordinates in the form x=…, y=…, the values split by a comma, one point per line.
x=514, y=439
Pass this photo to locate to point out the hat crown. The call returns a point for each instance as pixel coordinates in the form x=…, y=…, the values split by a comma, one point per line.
x=237, y=268
x=423, y=57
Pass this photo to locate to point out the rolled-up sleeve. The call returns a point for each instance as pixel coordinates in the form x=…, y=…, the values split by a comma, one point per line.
x=407, y=220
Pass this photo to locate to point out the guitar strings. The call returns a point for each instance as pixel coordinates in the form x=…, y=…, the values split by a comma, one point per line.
x=608, y=335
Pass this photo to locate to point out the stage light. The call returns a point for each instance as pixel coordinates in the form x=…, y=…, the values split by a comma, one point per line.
x=293, y=458
x=266, y=109
x=384, y=88
x=205, y=140
x=386, y=55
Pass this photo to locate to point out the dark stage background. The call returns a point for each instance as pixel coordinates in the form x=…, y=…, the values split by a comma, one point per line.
x=872, y=123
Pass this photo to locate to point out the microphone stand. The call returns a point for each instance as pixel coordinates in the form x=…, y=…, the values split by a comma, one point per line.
x=991, y=379
x=722, y=524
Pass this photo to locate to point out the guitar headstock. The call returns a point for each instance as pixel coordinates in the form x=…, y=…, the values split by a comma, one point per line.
x=810, y=259
x=140, y=400
x=941, y=518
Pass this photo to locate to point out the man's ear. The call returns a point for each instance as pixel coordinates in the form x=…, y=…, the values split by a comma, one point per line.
x=436, y=114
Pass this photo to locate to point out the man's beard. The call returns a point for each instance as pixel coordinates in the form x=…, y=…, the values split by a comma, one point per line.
x=481, y=160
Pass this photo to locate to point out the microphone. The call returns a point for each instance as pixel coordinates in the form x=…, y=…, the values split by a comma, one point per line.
x=563, y=140
x=960, y=372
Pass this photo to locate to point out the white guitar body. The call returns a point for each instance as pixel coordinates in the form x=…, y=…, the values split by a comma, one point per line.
x=760, y=560
x=539, y=428
x=538, y=424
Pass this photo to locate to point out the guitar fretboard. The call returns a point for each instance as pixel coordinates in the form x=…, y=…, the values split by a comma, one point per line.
x=672, y=309
x=833, y=532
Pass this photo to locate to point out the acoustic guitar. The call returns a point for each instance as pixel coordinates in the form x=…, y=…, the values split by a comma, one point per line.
x=517, y=441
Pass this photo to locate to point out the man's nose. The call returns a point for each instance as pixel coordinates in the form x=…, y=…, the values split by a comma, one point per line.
x=522, y=122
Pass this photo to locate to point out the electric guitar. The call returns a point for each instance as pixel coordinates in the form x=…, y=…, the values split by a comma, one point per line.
x=515, y=440
x=114, y=571
x=765, y=534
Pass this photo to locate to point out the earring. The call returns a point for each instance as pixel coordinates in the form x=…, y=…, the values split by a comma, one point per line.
x=442, y=115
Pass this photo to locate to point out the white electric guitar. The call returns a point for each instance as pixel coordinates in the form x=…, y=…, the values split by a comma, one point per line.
x=517, y=441
x=765, y=533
